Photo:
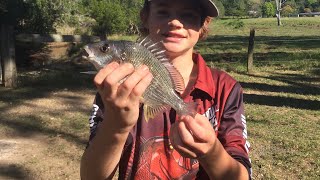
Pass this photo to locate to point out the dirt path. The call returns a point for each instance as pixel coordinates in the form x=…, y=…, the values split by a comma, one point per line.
x=14, y=154
x=44, y=137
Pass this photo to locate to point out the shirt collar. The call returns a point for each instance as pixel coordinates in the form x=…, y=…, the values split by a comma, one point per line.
x=204, y=80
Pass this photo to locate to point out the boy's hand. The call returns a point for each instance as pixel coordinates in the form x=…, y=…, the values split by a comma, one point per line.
x=121, y=87
x=192, y=137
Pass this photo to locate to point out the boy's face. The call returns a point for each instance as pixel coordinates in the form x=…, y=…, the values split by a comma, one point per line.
x=176, y=22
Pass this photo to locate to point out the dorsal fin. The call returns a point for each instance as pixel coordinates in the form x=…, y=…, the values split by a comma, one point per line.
x=157, y=49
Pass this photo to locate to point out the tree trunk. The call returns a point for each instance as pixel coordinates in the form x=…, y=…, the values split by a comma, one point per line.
x=279, y=18
x=9, y=68
x=250, y=51
x=279, y=4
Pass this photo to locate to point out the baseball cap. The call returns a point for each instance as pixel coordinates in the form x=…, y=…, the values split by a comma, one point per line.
x=209, y=7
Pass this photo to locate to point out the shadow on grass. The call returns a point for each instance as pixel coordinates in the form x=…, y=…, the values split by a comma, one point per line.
x=283, y=53
x=283, y=41
x=222, y=48
x=260, y=58
x=282, y=101
x=39, y=84
x=298, y=84
x=29, y=126
x=286, y=89
x=13, y=171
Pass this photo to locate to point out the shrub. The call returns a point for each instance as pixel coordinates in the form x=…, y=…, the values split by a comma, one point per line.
x=112, y=17
x=307, y=10
x=41, y=16
x=236, y=24
x=268, y=9
x=287, y=10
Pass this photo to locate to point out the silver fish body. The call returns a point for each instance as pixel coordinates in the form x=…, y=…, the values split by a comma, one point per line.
x=161, y=93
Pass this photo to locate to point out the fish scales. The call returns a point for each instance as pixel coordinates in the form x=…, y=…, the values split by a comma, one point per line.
x=138, y=55
x=161, y=93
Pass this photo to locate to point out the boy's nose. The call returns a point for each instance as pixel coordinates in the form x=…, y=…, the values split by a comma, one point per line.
x=175, y=23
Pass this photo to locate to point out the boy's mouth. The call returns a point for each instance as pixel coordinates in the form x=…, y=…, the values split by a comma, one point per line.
x=173, y=35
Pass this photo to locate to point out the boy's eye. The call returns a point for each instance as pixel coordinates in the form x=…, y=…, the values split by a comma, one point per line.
x=162, y=13
x=189, y=15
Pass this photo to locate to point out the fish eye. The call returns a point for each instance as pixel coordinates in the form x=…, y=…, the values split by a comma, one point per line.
x=105, y=47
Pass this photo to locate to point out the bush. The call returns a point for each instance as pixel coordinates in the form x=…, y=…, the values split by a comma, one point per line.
x=316, y=9
x=114, y=17
x=236, y=24
x=41, y=16
x=287, y=10
x=307, y=10
x=268, y=9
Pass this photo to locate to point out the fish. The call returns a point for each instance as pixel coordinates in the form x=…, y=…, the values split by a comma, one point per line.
x=161, y=94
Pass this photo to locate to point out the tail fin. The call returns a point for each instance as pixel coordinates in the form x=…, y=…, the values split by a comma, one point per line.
x=189, y=109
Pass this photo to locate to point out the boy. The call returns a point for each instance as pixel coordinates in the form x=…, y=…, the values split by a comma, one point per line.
x=212, y=145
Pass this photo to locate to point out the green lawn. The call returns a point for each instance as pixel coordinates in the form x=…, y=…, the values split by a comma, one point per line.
x=282, y=96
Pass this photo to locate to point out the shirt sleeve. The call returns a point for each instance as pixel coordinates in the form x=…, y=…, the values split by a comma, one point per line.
x=232, y=132
x=96, y=116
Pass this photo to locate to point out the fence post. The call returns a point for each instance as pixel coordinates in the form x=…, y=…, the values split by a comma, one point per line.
x=1, y=64
x=250, y=51
x=8, y=56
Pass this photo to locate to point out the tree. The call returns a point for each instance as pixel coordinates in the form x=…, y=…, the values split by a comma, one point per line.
x=41, y=16
x=12, y=11
x=234, y=7
x=110, y=17
x=221, y=8
x=287, y=10
x=254, y=8
x=307, y=10
x=279, y=4
x=268, y=9
x=132, y=9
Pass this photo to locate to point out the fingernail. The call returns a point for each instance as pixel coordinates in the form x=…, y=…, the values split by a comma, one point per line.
x=127, y=66
x=150, y=75
x=114, y=64
x=144, y=68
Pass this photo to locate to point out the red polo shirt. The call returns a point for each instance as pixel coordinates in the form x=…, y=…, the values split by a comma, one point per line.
x=147, y=153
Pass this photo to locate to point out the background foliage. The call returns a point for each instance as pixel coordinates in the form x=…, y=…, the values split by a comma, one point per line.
x=96, y=17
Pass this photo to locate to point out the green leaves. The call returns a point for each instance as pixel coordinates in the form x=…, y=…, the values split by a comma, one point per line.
x=114, y=17
x=268, y=9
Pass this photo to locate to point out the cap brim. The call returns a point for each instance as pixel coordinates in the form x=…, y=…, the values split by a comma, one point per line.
x=210, y=8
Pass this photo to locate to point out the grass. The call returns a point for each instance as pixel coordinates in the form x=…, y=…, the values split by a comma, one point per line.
x=282, y=96
x=282, y=102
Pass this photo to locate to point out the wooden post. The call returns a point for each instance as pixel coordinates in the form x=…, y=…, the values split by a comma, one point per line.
x=8, y=56
x=1, y=72
x=250, y=51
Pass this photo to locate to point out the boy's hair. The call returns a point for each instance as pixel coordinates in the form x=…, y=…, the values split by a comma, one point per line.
x=144, y=15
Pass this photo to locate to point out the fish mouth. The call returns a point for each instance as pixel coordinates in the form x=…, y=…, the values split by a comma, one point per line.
x=87, y=53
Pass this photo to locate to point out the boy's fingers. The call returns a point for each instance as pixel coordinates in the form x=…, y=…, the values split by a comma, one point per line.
x=125, y=89
x=140, y=88
x=197, y=127
x=104, y=72
x=185, y=134
x=119, y=74
x=178, y=144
